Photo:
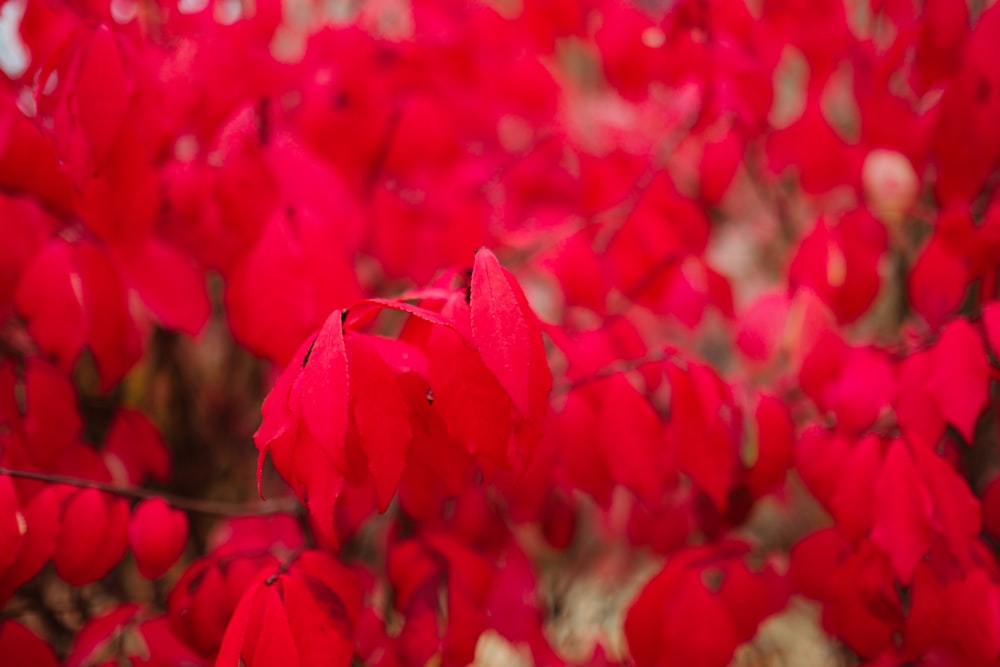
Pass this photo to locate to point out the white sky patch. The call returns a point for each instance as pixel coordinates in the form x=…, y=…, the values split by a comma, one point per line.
x=13, y=53
x=191, y=6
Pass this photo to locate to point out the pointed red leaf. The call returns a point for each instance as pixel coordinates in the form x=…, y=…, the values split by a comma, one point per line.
x=902, y=512
x=958, y=378
x=180, y=302
x=704, y=445
x=958, y=514
x=135, y=447
x=775, y=441
x=51, y=423
x=271, y=642
x=230, y=652
x=631, y=439
x=853, y=496
x=100, y=92
x=38, y=544
x=937, y=283
x=864, y=387
x=322, y=637
x=318, y=483
x=93, y=537
x=381, y=416
x=324, y=385
x=112, y=334
x=917, y=410
x=500, y=328
x=277, y=415
x=157, y=534
x=470, y=400
x=677, y=620
x=50, y=298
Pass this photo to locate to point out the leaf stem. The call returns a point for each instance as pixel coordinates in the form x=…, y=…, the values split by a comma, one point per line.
x=198, y=506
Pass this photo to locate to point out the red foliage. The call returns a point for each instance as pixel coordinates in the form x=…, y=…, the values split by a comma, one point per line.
x=536, y=281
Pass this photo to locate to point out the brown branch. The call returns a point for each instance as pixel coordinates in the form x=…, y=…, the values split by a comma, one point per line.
x=220, y=508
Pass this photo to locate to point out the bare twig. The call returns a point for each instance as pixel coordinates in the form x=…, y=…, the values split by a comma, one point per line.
x=221, y=508
x=621, y=366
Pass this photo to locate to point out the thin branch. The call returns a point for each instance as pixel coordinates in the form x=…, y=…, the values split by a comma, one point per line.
x=613, y=218
x=621, y=366
x=771, y=196
x=221, y=508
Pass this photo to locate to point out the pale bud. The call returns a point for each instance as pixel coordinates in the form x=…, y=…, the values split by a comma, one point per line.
x=890, y=183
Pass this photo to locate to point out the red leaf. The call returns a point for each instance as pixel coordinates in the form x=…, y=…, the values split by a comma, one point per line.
x=25, y=229
x=853, y=496
x=162, y=641
x=813, y=558
x=299, y=268
x=269, y=639
x=902, y=512
x=202, y=602
x=774, y=446
x=157, y=534
x=863, y=389
x=112, y=335
x=937, y=283
x=322, y=600
x=579, y=271
x=958, y=514
x=917, y=410
x=820, y=458
x=270, y=280
x=677, y=621
x=98, y=637
x=324, y=387
x=470, y=400
x=100, y=94
x=93, y=537
x=500, y=329
x=958, y=378
x=381, y=415
x=839, y=260
x=38, y=544
x=438, y=465
x=762, y=326
x=277, y=414
x=631, y=439
x=51, y=422
x=135, y=447
x=50, y=297
x=21, y=646
x=720, y=158
x=706, y=450
x=323, y=636
x=179, y=302
x=991, y=318
x=824, y=160
x=230, y=652
x=12, y=523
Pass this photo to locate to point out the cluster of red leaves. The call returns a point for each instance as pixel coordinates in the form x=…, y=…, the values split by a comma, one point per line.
x=626, y=380
x=461, y=381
